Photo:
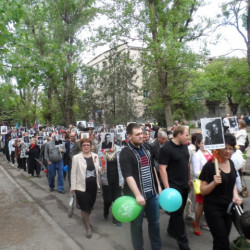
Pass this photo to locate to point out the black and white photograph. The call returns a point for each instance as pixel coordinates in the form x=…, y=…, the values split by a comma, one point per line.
x=23, y=129
x=26, y=139
x=19, y=134
x=90, y=125
x=119, y=128
x=233, y=124
x=13, y=135
x=40, y=140
x=107, y=140
x=4, y=130
x=212, y=132
x=81, y=125
x=84, y=135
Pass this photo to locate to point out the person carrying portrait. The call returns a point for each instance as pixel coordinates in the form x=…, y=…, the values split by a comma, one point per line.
x=84, y=181
x=140, y=182
x=111, y=179
x=219, y=190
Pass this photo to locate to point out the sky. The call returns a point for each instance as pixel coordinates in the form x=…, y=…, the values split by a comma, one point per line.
x=230, y=43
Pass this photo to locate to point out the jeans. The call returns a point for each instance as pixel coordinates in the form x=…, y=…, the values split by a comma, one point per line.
x=176, y=226
x=151, y=210
x=52, y=168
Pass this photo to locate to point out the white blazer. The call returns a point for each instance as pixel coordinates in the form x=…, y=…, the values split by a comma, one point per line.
x=198, y=161
x=78, y=171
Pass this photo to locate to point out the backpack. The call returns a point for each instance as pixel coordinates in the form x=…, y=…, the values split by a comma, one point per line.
x=246, y=142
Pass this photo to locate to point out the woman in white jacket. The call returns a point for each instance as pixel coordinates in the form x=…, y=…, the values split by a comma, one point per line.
x=199, y=159
x=84, y=180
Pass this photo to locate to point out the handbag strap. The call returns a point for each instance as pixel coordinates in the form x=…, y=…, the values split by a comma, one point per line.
x=243, y=180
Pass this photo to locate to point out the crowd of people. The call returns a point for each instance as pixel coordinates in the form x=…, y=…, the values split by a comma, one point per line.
x=147, y=161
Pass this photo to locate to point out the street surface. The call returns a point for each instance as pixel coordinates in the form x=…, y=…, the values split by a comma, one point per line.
x=31, y=217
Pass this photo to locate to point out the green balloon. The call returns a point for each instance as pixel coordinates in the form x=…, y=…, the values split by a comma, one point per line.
x=126, y=209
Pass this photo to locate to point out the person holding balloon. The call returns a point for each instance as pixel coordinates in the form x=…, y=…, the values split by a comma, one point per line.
x=175, y=174
x=84, y=180
x=218, y=187
x=140, y=182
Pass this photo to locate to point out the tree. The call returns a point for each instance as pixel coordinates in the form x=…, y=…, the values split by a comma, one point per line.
x=236, y=13
x=165, y=28
x=225, y=80
x=45, y=52
x=113, y=88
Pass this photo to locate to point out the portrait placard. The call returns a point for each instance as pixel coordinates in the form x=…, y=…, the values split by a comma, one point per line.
x=40, y=140
x=81, y=125
x=107, y=141
x=233, y=124
x=212, y=133
x=4, y=130
x=119, y=129
x=84, y=135
x=26, y=139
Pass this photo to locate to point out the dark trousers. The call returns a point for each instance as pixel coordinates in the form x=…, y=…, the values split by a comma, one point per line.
x=34, y=166
x=19, y=162
x=220, y=224
x=176, y=226
x=7, y=154
x=110, y=194
x=12, y=157
x=23, y=163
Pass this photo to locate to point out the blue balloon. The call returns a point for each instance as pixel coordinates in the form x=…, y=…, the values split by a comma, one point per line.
x=65, y=168
x=170, y=199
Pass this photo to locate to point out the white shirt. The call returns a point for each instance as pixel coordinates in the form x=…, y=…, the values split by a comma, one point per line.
x=241, y=136
x=226, y=122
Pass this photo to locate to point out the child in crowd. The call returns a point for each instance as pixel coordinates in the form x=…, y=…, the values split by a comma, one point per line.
x=243, y=242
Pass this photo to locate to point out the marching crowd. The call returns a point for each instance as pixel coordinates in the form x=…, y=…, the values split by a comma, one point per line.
x=144, y=163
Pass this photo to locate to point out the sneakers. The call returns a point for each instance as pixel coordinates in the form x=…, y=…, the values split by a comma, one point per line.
x=51, y=189
x=61, y=191
x=206, y=227
x=105, y=217
x=117, y=223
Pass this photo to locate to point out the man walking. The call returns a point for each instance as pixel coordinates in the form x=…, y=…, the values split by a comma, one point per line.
x=174, y=171
x=137, y=170
x=53, y=155
x=67, y=157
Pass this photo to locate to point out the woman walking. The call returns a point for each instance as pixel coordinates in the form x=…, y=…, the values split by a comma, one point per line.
x=84, y=180
x=219, y=190
x=199, y=159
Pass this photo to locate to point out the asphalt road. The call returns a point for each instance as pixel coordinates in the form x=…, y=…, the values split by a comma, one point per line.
x=31, y=217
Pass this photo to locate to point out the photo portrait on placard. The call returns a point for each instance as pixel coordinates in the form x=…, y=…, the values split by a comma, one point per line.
x=233, y=124
x=19, y=134
x=118, y=139
x=26, y=139
x=81, y=125
x=84, y=135
x=212, y=133
x=40, y=140
x=4, y=130
x=13, y=135
x=107, y=140
x=90, y=125
x=119, y=128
